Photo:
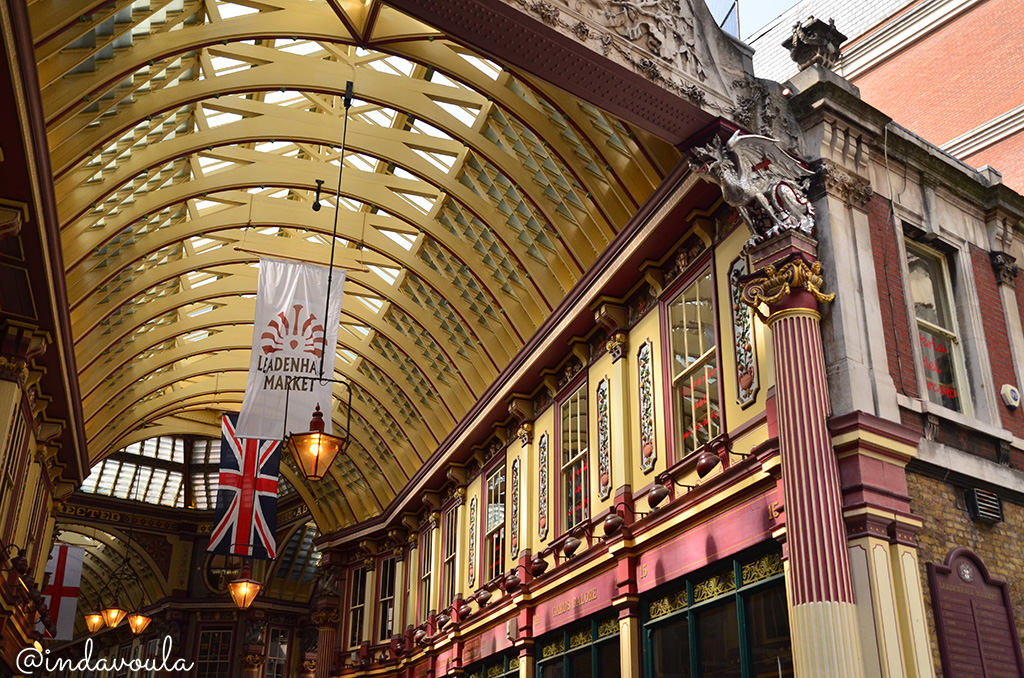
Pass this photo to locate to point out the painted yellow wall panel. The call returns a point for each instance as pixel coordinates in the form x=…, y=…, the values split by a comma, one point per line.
x=647, y=329
x=725, y=254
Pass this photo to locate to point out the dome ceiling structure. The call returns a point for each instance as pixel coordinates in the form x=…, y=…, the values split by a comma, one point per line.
x=187, y=137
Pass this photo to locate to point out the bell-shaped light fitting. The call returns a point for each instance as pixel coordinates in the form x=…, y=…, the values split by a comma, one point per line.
x=20, y=562
x=315, y=450
x=657, y=495
x=138, y=622
x=538, y=566
x=482, y=596
x=706, y=462
x=570, y=546
x=244, y=590
x=612, y=524
x=512, y=582
x=94, y=621
x=113, y=614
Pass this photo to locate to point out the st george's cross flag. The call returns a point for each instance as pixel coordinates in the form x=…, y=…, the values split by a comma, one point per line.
x=246, y=517
x=61, y=594
x=289, y=336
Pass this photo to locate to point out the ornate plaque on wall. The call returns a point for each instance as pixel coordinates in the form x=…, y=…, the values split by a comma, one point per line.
x=974, y=619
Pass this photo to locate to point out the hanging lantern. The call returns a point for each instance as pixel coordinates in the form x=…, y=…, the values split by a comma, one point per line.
x=113, y=615
x=244, y=590
x=94, y=622
x=138, y=622
x=315, y=450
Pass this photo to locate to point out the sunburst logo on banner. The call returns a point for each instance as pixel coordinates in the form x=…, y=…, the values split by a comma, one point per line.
x=301, y=329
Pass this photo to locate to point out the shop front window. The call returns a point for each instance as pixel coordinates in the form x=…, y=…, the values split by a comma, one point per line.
x=587, y=651
x=730, y=622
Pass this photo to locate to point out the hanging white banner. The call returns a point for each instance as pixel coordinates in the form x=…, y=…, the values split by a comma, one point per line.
x=287, y=341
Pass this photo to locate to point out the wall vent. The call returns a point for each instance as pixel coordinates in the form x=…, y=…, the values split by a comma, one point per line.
x=984, y=506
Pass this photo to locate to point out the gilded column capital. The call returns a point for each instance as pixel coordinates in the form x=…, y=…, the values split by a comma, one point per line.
x=525, y=433
x=326, y=617
x=772, y=285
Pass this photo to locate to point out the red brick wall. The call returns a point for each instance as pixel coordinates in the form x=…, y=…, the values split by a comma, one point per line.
x=997, y=339
x=891, y=298
x=971, y=67
x=1005, y=157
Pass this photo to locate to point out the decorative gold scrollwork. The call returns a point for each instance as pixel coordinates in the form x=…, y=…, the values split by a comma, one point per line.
x=774, y=284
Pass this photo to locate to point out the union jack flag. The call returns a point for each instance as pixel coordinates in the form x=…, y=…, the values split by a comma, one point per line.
x=246, y=517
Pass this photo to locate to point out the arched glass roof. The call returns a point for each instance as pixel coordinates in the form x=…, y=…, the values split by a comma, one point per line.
x=186, y=137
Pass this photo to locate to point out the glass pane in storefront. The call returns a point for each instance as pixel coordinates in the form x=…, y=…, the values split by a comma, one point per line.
x=769, y=632
x=719, y=641
x=670, y=645
x=609, y=661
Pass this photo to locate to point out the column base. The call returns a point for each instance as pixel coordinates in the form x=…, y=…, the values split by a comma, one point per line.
x=825, y=640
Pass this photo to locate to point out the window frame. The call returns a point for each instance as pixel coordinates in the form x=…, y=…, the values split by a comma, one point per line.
x=701, y=267
x=387, y=605
x=199, y=657
x=358, y=576
x=287, y=652
x=426, y=573
x=499, y=530
x=957, y=339
x=566, y=637
x=449, y=560
x=580, y=385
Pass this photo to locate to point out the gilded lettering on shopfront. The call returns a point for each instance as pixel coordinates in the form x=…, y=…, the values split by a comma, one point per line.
x=572, y=603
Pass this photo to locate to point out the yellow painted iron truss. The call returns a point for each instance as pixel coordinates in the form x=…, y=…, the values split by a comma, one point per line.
x=182, y=130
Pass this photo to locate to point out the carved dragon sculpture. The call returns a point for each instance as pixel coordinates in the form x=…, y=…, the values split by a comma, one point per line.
x=766, y=185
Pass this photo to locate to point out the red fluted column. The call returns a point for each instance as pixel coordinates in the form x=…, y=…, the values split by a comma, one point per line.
x=786, y=276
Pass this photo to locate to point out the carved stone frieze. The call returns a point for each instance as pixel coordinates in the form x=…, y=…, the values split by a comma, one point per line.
x=328, y=581
x=664, y=40
x=853, y=190
x=1005, y=267
x=326, y=617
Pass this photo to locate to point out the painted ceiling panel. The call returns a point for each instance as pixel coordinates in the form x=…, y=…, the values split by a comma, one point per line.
x=187, y=136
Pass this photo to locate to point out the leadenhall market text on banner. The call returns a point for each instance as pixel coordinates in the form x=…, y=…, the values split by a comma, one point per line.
x=287, y=343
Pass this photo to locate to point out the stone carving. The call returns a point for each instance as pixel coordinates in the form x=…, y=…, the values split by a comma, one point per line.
x=815, y=42
x=328, y=581
x=851, y=189
x=1005, y=267
x=660, y=27
x=765, y=184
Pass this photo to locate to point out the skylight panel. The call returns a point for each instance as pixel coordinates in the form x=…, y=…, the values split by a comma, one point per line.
x=439, y=160
x=283, y=96
x=420, y=202
x=388, y=275
x=466, y=116
x=372, y=303
x=488, y=68
x=271, y=146
x=404, y=240
x=429, y=130
x=300, y=47
x=230, y=10
x=441, y=79
x=220, y=118
x=223, y=65
x=365, y=163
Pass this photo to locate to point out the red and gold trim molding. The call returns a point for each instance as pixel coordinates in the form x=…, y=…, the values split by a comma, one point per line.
x=873, y=454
